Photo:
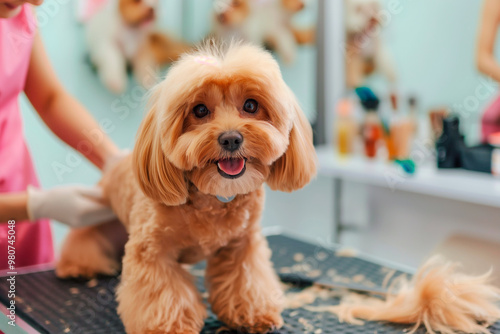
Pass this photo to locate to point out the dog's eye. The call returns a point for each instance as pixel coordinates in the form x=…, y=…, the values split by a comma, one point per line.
x=201, y=111
x=251, y=106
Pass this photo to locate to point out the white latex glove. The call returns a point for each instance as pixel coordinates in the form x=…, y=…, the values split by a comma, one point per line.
x=73, y=205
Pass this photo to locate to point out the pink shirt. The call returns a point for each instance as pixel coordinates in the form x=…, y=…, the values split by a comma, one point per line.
x=33, y=240
x=490, y=122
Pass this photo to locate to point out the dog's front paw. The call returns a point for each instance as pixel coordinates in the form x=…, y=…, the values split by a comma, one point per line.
x=268, y=320
x=181, y=331
x=254, y=315
x=166, y=325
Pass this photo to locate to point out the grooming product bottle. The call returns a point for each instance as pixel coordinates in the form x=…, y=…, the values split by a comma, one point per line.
x=394, y=101
x=418, y=127
x=391, y=128
x=345, y=127
x=401, y=132
x=406, y=129
x=449, y=144
x=371, y=129
x=372, y=133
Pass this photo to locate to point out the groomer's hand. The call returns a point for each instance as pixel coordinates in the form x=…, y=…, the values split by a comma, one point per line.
x=73, y=205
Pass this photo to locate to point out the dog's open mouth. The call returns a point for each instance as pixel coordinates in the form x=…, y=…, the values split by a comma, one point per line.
x=231, y=168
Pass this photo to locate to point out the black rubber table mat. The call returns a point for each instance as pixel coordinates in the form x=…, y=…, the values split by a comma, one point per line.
x=56, y=306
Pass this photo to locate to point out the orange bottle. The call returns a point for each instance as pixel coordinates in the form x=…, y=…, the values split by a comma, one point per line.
x=345, y=127
x=372, y=133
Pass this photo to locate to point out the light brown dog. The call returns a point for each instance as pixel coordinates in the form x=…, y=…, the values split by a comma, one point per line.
x=222, y=123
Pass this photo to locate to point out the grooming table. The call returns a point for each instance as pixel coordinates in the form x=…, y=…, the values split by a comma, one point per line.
x=54, y=306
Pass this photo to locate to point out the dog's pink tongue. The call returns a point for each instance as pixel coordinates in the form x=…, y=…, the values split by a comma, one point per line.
x=232, y=166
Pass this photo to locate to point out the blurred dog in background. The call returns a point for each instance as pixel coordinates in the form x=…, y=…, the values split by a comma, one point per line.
x=263, y=22
x=122, y=33
x=365, y=50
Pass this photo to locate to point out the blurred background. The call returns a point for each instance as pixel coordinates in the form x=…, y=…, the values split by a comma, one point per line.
x=370, y=75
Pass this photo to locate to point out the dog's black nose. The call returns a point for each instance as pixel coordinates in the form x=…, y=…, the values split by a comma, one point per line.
x=231, y=140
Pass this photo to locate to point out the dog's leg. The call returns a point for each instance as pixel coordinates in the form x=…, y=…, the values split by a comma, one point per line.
x=244, y=290
x=111, y=66
x=156, y=295
x=304, y=36
x=157, y=50
x=284, y=43
x=146, y=68
x=93, y=250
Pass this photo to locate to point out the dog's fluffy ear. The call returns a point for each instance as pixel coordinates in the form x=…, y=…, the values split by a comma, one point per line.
x=297, y=166
x=157, y=176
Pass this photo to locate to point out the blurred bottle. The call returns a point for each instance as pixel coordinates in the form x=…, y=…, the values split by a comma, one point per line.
x=390, y=126
x=408, y=127
x=394, y=101
x=449, y=144
x=371, y=128
x=413, y=113
x=372, y=133
x=401, y=131
x=345, y=127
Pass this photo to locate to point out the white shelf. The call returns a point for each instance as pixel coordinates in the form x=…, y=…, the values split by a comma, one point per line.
x=456, y=184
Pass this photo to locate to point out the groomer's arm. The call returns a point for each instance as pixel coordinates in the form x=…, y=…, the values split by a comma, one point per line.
x=490, y=20
x=73, y=205
x=13, y=207
x=63, y=114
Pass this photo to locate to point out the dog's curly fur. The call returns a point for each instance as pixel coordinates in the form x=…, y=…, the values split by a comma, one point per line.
x=164, y=195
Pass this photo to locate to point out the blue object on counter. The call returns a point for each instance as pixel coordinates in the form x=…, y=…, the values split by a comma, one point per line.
x=407, y=165
x=369, y=100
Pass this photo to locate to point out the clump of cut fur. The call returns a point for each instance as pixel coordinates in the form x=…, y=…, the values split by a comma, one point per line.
x=439, y=297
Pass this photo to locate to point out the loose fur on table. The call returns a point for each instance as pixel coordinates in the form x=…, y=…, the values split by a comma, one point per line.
x=220, y=110
x=439, y=297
